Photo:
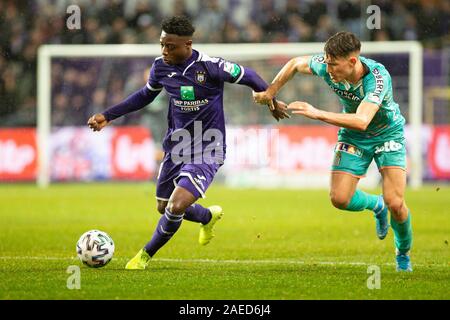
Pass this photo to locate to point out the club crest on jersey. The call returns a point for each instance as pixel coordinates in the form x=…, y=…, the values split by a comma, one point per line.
x=200, y=77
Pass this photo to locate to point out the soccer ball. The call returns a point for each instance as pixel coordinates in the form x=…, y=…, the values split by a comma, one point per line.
x=95, y=248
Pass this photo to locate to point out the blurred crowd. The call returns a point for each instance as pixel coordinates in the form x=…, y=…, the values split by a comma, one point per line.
x=27, y=24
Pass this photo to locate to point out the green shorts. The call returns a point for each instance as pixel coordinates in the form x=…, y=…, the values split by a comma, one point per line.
x=354, y=157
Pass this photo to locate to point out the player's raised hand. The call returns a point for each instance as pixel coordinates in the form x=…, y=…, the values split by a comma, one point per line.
x=280, y=110
x=305, y=109
x=97, y=122
x=263, y=97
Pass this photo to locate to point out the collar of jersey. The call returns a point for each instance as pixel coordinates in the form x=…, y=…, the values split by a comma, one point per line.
x=350, y=86
x=189, y=62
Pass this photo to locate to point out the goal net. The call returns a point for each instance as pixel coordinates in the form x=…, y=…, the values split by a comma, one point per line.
x=75, y=81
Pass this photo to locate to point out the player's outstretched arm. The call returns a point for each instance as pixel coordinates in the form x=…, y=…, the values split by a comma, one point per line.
x=134, y=102
x=251, y=79
x=355, y=121
x=298, y=64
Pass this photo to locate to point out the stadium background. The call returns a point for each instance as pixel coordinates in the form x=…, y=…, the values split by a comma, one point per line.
x=81, y=87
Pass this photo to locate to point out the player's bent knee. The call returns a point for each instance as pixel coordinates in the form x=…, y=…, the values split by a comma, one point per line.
x=176, y=207
x=339, y=201
x=161, y=208
x=395, y=204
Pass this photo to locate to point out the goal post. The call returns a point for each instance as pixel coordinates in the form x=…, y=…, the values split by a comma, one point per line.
x=236, y=52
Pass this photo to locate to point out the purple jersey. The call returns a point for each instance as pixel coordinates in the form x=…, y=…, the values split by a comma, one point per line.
x=195, y=91
x=196, y=122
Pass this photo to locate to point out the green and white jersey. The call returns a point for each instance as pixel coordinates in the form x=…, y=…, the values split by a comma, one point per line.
x=374, y=87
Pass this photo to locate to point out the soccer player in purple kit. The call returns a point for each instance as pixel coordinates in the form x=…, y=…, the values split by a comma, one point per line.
x=195, y=84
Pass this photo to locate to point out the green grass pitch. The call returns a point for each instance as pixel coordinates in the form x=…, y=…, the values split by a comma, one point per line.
x=270, y=244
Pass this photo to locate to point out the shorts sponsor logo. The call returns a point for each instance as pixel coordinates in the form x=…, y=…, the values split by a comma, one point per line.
x=348, y=148
x=388, y=146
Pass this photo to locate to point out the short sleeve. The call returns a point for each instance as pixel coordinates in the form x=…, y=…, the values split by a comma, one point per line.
x=318, y=66
x=376, y=87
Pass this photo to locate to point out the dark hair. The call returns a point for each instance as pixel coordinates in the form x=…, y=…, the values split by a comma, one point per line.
x=342, y=44
x=179, y=25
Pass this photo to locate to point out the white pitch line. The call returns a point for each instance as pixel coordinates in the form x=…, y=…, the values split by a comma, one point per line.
x=275, y=261
x=263, y=261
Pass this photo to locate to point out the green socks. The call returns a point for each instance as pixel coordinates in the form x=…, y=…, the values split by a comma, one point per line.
x=402, y=231
x=362, y=200
x=402, y=234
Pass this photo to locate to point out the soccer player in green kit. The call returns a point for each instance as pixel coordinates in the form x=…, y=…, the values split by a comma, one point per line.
x=371, y=127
